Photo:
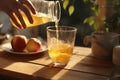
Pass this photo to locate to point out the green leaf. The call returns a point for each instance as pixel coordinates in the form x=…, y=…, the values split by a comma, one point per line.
x=107, y=29
x=91, y=22
x=96, y=26
x=97, y=10
x=85, y=1
x=65, y=4
x=85, y=20
x=71, y=9
x=93, y=8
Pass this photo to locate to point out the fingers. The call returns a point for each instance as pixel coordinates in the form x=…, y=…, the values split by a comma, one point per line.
x=15, y=21
x=12, y=14
x=27, y=12
x=29, y=5
x=23, y=25
x=20, y=7
x=26, y=7
x=13, y=8
x=16, y=16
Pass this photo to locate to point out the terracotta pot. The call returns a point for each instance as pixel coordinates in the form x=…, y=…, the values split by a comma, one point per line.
x=102, y=43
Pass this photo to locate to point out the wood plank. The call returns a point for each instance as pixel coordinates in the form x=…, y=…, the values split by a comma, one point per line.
x=84, y=63
x=34, y=72
x=61, y=74
x=82, y=51
x=78, y=62
x=81, y=62
x=87, y=64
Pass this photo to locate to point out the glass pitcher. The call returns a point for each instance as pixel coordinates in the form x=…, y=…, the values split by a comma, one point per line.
x=46, y=11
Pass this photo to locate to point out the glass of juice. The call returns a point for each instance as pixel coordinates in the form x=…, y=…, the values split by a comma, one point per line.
x=60, y=42
x=46, y=11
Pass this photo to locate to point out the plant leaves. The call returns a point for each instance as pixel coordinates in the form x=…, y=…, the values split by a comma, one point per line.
x=85, y=1
x=90, y=20
x=85, y=20
x=65, y=4
x=96, y=26
x=71, y=9
x=97, y=10
x=107, y=29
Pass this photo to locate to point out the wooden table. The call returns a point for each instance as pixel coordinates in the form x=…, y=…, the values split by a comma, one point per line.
x=82, y=66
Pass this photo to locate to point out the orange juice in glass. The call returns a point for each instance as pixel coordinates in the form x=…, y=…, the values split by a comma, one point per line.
x=60, y=44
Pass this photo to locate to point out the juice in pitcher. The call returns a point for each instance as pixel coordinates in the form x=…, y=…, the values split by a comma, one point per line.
x=38, y=19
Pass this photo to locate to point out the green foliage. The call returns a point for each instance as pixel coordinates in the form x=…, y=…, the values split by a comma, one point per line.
x=71, y=9
x=86, y=1
x=112, y=23
x=117, y=2
x=69, y=5
x=91, y=20
x=65, y=4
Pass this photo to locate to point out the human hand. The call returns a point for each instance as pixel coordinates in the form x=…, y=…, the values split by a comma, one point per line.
x=12, y=7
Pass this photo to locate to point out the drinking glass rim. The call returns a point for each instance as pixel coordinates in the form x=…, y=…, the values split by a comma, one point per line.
x=70, y=28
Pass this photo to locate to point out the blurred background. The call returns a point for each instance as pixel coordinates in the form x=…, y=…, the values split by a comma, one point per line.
x=81, y=12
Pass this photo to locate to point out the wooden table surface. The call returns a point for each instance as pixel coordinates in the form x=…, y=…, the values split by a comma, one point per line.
x=82, y=66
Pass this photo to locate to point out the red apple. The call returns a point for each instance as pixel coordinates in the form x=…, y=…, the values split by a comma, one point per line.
x=18, y=43
x=33, y=45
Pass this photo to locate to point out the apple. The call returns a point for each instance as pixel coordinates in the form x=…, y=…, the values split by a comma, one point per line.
x=33, y=45
x=19, y=43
